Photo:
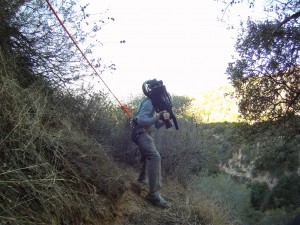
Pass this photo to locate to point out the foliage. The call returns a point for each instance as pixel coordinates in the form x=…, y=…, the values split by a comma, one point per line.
x=274, y=217
x=32, y=33
x=237, y=199
x=210, y=212
x=214, y=106
x=178, y=147
x=221, y=190
x=273, y=158
x=260, y=195
x=13, y=42
x=95, y=112
x=181, y=104
x=51, y=172
x=196, y=150
x=286, y=194
x=49, y=148
x=265, y=74
x=54, y=142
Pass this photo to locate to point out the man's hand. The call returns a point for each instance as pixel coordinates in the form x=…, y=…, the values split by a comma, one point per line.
x=164, y=115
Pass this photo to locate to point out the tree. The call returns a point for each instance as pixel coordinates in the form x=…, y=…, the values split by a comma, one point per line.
x=31, y=33
x=266, y=72
x=12, y=42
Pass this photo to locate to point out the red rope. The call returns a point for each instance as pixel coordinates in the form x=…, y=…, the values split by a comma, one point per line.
x=88, y=61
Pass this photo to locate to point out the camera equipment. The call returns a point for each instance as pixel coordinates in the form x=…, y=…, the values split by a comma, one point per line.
x=161, y=99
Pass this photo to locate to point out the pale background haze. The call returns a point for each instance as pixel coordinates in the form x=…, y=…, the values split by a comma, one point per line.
x=179, y=42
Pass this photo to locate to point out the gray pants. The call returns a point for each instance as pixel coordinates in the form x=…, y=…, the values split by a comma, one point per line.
x=151, y=161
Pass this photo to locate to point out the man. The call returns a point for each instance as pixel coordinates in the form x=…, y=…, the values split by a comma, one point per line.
x=145, y=118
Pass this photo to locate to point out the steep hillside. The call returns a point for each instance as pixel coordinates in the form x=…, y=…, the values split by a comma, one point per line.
x=54, y=171
x=132, y=208
x=186, y=208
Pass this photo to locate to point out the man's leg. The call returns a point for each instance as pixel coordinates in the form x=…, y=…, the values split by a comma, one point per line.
x=149, y=151
x=143, y=174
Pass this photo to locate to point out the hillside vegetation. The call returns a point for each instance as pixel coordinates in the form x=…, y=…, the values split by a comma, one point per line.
x=51, y=171
x=68, y=159
x=57, y=164
x=66, y=153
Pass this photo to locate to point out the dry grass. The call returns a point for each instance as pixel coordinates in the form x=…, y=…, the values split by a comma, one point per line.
x=211, y=213
x=51, y=173
x=190, y=208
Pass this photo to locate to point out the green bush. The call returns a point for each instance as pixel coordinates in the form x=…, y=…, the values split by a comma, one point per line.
x=182, y=151
x=260, y=195
x=222, y=190
x=286, y=194
x=274, y=217
x=276, y=160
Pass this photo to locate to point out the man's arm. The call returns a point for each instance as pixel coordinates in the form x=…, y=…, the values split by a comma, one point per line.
x=146, y=113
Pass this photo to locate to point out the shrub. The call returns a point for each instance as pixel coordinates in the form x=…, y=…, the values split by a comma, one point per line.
x=224, y=192
x=260, y=195
x=181, y=150
x=51, y=172
x=286, y=194
x=274, y=217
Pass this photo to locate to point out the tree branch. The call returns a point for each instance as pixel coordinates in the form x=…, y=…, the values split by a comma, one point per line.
x=287, y=19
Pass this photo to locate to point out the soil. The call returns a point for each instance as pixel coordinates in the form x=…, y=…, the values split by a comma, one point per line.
x=133, y=209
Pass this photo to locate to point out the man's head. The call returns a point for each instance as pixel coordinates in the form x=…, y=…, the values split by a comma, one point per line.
x=151, y=87
x=161, y=99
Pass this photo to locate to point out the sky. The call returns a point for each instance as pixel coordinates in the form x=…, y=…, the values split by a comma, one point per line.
x=179, y=42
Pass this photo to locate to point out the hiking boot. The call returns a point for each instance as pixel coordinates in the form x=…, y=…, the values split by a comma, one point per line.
x=157, y=200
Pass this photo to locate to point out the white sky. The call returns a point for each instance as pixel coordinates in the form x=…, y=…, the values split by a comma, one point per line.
x=179, y=42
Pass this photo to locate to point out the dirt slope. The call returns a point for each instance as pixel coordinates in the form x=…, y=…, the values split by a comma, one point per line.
x=133, y=209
